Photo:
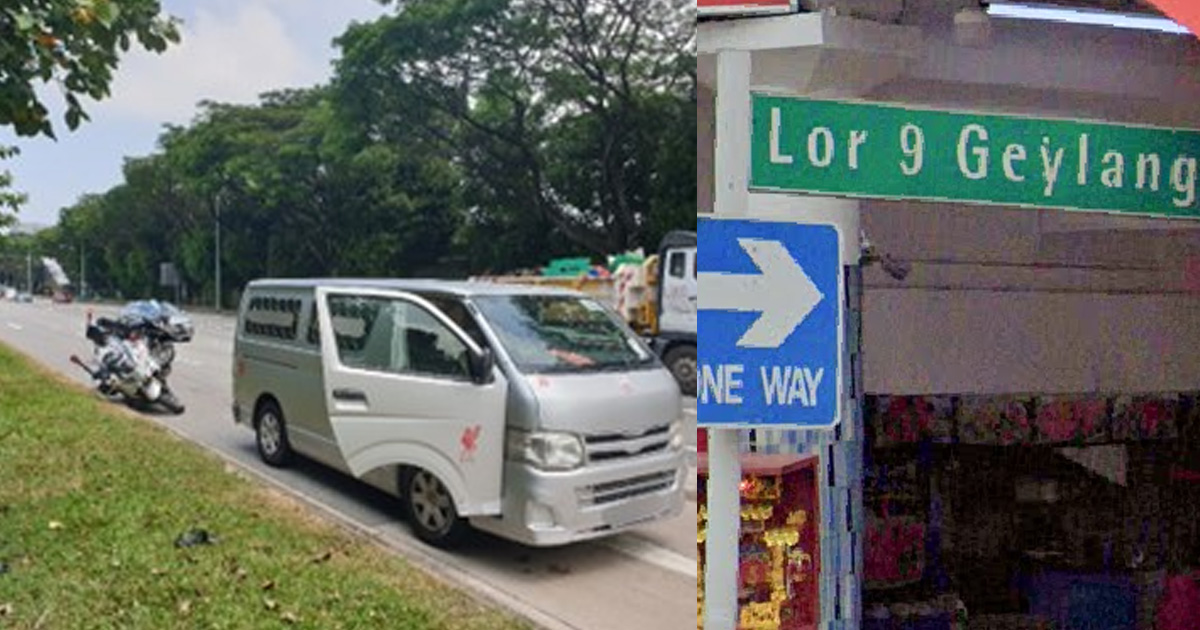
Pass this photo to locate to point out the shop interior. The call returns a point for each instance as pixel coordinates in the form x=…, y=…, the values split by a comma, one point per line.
x=1014, y=512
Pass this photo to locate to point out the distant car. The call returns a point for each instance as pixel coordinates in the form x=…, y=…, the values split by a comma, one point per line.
x=23, y=297
x=8, y=293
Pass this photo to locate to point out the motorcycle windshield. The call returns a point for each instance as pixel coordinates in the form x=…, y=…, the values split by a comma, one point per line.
x=162, y=315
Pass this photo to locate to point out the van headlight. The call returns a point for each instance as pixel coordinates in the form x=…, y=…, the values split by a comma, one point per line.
x=545, y=450
x=676, y=442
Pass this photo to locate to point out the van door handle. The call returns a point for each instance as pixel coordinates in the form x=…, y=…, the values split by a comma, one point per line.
x=349, y=394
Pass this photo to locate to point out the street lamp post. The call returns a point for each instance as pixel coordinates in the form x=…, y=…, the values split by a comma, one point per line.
x=217, y=254
x=82, y=272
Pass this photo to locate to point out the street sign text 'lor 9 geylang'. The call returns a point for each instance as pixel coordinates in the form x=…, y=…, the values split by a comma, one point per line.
x=870, y=150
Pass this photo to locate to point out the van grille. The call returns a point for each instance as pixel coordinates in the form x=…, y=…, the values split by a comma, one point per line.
x=611, y=491
x=603, y=447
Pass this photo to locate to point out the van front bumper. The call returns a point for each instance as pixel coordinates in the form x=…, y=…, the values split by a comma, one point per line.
x=544, y=509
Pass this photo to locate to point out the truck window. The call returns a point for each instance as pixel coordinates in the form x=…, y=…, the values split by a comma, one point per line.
x=678, y=264
x=396, y=336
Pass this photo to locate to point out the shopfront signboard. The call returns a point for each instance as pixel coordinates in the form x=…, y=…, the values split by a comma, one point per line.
x=871, y=150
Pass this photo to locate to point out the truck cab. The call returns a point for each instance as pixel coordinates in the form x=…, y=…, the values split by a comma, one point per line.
x=674, y=330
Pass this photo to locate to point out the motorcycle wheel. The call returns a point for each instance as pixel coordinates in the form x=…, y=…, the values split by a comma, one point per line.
x=169, y=400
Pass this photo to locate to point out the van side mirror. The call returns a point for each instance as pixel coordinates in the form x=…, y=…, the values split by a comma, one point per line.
x=482, y=364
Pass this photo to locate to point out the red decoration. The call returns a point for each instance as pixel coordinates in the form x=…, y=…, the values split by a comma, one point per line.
x=994, y=420
x=907, y=419
x=788, y=483
x=895, y=550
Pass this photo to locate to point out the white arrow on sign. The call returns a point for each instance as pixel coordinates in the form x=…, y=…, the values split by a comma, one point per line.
x=783, y=293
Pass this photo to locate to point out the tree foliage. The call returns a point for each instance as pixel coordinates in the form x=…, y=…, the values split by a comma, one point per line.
x=456, y=137
x=568, y=110
x=73, y=43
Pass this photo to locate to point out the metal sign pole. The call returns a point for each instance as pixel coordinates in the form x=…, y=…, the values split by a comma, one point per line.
x=732, y=197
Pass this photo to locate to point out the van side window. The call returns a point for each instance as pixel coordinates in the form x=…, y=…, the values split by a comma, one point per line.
x=678, y=264
x=272, y=317
x=391, y=335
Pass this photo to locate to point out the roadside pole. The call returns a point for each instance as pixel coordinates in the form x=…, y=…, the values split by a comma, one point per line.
x=217, y=254
x=732, y=198
x=842, y=523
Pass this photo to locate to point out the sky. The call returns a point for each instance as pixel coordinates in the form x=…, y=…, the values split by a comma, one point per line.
x=232, y=51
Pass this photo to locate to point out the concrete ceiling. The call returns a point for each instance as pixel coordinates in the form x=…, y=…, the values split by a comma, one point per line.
x=1142, y=7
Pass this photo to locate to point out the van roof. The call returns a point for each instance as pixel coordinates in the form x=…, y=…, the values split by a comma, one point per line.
x=462, y=288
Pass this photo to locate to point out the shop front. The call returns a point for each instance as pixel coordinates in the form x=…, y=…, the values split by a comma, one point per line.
x=1024, y=444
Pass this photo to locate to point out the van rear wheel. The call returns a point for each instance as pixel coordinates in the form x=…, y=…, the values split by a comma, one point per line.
x=270, y=434
x=431, y=510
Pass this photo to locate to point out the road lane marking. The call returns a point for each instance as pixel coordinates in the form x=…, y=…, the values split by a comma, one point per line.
x=651, y=553
x=15, y=326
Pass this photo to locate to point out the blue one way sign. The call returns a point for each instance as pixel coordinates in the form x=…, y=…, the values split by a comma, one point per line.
x=770, y=323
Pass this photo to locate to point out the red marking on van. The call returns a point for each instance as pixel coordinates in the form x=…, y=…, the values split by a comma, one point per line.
x=470, y=443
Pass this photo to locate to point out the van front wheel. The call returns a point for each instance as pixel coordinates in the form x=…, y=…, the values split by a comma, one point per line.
x=681, y=361
x=431, y=510
x=270, y=434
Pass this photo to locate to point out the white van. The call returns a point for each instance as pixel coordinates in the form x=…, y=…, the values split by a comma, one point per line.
x=531, y=413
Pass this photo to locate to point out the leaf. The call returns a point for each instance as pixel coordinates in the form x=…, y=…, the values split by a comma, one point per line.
x=290, y=617
x=267, y=585
x=24, y=21
x=107, y=12
x=6, y=609
x=55, y=525
x=270, y=603
x=185, y=607
x=324, y=557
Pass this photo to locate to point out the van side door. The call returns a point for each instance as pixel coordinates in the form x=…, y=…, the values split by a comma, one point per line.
x=405, y=385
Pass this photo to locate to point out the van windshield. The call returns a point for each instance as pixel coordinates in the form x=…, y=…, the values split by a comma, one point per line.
x=557, y=334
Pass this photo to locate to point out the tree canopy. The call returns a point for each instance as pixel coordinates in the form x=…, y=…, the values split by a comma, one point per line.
x=455, y=137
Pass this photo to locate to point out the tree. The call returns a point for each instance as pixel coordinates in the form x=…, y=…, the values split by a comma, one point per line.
x=9, y=198
x=74, y=43
x=556, y=108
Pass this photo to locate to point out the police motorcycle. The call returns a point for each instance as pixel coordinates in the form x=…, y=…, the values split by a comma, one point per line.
x=132, y=354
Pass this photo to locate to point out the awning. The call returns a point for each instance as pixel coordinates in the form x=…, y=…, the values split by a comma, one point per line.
x=1185, y=12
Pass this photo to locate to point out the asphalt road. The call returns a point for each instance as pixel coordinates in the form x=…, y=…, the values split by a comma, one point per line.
x=642, y=579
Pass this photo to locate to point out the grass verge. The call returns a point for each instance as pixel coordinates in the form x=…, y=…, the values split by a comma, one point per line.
x=92, y=501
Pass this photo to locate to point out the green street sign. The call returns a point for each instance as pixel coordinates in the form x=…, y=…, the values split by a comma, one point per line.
x=868, y=150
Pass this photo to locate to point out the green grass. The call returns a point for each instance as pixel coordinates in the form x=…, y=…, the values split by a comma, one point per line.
x=92, y=499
